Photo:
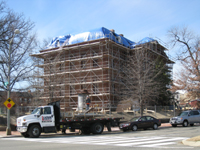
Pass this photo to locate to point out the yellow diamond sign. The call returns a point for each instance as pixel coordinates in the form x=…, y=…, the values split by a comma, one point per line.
x=9, y=103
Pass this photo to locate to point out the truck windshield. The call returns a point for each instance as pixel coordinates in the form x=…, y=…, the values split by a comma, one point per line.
x=36, y=111
x=183, y=114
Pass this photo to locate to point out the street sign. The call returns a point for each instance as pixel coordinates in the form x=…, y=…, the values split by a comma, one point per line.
x=6, y=83
x=9, y=103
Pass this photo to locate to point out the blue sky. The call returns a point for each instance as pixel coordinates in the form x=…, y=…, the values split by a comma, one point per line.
x=135, y=19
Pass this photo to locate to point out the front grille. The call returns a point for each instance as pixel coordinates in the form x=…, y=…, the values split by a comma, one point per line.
x=174, y=119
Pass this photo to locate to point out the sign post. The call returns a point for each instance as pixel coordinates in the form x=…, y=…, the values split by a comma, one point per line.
x=9, y=104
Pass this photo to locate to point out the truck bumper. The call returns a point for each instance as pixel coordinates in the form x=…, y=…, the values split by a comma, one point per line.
x=22, y=129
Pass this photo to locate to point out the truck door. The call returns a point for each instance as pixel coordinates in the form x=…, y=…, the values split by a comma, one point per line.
x=47, y=118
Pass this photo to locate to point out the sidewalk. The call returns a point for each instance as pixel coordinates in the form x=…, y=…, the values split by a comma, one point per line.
x=195, y=141
x=13, y=134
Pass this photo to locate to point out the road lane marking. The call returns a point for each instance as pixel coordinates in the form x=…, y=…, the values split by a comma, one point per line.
x=152, y=141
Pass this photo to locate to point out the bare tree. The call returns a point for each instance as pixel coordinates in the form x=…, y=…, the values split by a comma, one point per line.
x=141, y=74
x=188, y=54
x=47, y=80
x=22, y=45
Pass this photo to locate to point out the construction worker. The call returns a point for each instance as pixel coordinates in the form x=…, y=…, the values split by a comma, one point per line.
x=88, y=101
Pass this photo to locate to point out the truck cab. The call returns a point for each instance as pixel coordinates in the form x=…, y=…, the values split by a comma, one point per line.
x=42, y=119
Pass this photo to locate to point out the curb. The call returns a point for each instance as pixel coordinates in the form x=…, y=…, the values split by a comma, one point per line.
x=13, y=134
x=191, y=143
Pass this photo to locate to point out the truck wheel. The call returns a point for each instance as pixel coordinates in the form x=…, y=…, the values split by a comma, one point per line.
x=84, y=131
x=97, y=128
x=124, y=130
x=185, y=123
x=63, y=131
x=25, y=134
x=34, y=131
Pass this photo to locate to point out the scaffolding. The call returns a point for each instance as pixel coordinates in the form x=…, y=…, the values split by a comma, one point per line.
x=95, y=66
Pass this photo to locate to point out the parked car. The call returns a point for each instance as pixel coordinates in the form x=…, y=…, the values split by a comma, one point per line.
x=185, y=118
x=143, y=122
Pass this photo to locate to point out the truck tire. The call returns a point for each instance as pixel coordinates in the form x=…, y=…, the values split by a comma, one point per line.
x=64, y=131
x=25, y=134
x=84, y=131
x=185, y=123
x=34, y=131
x=97, y=128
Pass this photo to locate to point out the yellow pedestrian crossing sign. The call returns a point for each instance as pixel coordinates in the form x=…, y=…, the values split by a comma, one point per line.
x=9, y=103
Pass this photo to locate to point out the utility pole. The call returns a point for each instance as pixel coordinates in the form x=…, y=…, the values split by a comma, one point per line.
x=8, y=129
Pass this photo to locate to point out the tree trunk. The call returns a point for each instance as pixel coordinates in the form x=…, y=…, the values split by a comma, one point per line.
x=141, y=110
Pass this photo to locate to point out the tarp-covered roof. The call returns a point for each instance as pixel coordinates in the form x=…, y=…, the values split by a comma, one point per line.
x=94, y=35
x=143, y=41
x=89, y=36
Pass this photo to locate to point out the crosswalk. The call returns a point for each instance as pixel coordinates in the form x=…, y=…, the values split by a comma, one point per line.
x=148, y=141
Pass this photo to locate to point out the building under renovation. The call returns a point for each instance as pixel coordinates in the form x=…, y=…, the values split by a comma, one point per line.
x=88, y=62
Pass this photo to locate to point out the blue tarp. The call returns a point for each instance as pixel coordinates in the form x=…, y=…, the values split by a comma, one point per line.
x=89, y=36
x=94, y=35
x=57, y=41
x=143, y=41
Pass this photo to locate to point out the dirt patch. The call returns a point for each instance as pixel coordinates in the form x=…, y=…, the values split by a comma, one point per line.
x=194, y=139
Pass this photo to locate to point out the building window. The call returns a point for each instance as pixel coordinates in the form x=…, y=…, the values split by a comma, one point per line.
x=94, y=53
x=25, y=109
x=94, y=78
x=62, y=91
x=20, y=99
x=95, y=88
x=60, y=67
x=71, y=56
x=114, y=88
x=84, y=80
x=25, y=100
x=83, y=86
x=83, y=55
x=72, y=67
x=72, y=90
x=95, y=63
x=83, y=64
x=72, y=81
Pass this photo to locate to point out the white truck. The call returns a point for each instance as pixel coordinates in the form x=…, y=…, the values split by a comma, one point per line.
x=47, y=119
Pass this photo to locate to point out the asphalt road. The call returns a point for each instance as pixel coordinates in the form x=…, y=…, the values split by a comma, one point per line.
x=163, y=138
